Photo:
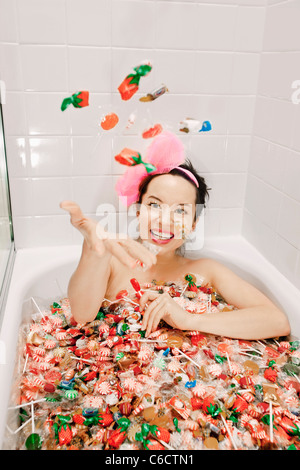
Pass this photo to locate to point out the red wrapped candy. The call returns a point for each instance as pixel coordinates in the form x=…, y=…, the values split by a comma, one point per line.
x=78, y=100
x=116, y=438
x=109, y=121
x=130, y=84
x=152, y=131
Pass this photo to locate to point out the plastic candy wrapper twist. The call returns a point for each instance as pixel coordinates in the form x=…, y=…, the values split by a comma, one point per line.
x=190, y=125
x=130, y=84
x=154, y=94
x=78, y=100
x=104, y=385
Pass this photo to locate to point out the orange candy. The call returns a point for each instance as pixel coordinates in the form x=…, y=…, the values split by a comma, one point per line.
x=109, y=121
x=152, y=132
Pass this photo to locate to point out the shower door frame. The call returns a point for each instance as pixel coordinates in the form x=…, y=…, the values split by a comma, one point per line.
x=5, y=282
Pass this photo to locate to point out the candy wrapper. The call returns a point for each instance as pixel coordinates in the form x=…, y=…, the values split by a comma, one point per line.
x=78, y=100
x=130, y=84
x=194, y=126
x=103, y=385
x=154, y=94
x=152, y=131
x=109, y=121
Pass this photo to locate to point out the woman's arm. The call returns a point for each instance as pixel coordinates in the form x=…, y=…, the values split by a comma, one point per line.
x=88, y=284
x=256, y=316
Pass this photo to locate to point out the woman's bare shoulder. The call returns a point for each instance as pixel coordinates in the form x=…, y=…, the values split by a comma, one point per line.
x=203, y=267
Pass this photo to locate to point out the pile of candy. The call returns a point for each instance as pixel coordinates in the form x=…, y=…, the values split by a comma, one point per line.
x=103, y=385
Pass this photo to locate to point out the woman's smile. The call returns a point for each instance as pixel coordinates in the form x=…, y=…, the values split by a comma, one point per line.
x=160, y=236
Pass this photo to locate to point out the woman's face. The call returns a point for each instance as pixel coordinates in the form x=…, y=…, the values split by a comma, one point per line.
x=167, y=211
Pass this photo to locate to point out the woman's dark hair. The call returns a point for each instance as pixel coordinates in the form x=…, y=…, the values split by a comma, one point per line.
x=202, y=191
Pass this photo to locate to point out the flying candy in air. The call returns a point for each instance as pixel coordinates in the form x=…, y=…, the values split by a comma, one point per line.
x=152, y=131
x=78, y=100
x=192, y=125
x=130, y=84
x=109, y=121
x=131, y=120
x=154, y=94
x=130, y=157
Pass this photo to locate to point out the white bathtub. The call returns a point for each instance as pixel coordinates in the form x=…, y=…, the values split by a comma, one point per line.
x=43, y=274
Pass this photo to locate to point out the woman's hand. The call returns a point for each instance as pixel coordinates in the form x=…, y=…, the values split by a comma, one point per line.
x=163, y=307
x=127, y=250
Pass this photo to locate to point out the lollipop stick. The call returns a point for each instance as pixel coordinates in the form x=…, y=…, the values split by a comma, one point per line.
x=81, y=359
x=271, y=422
x=164, y=444
x=26, y=404
x=25, y=365
x=184, y=289
x=58, y=285
x=229, y=363
x=149, y=340
x=21, y=427
x=32, y=418
x=185, y=355
x=37, y=306
x=294, y=375
x=229, y=433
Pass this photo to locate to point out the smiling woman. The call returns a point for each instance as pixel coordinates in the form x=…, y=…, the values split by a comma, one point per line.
x=170, y=203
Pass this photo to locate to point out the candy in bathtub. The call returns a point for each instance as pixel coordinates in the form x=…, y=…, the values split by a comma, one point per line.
x=78, y=100
x=152, y=131
x=109, y=121
x=130, y=84
x=135, y=284
x=154, y=94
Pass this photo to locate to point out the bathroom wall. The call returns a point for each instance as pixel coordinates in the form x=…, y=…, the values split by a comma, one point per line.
x=272, y=202
x=207, y=54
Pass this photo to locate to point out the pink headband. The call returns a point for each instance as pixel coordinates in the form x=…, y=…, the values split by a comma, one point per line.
x=189, y=174
x=165, y=153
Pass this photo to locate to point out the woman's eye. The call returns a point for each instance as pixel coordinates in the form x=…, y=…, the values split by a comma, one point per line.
x=180, y=210
x=155, y=205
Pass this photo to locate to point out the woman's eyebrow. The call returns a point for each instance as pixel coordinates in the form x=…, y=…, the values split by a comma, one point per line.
x=155, y=197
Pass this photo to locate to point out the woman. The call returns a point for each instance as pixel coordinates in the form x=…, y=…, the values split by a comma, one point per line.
x=170, y=201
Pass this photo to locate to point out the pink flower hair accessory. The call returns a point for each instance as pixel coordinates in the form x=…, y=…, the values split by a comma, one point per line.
x=165, y=153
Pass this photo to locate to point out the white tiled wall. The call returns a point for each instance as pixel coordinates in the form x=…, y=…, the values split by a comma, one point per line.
x=272, y=203
x=221, y=60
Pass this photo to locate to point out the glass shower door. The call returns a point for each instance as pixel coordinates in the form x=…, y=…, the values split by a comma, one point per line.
x=7, y=248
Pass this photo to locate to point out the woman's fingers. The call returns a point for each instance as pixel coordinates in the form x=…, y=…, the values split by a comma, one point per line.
x=150, y=312
x=148, y=295
x=76, y=214
x=156, y=314
x=122, y=246
x=119, y=252
x=86, y=226
x=137, y=250
x=78, y=219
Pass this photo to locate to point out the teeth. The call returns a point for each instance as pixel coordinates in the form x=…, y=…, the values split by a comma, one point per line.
x=159, y=235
